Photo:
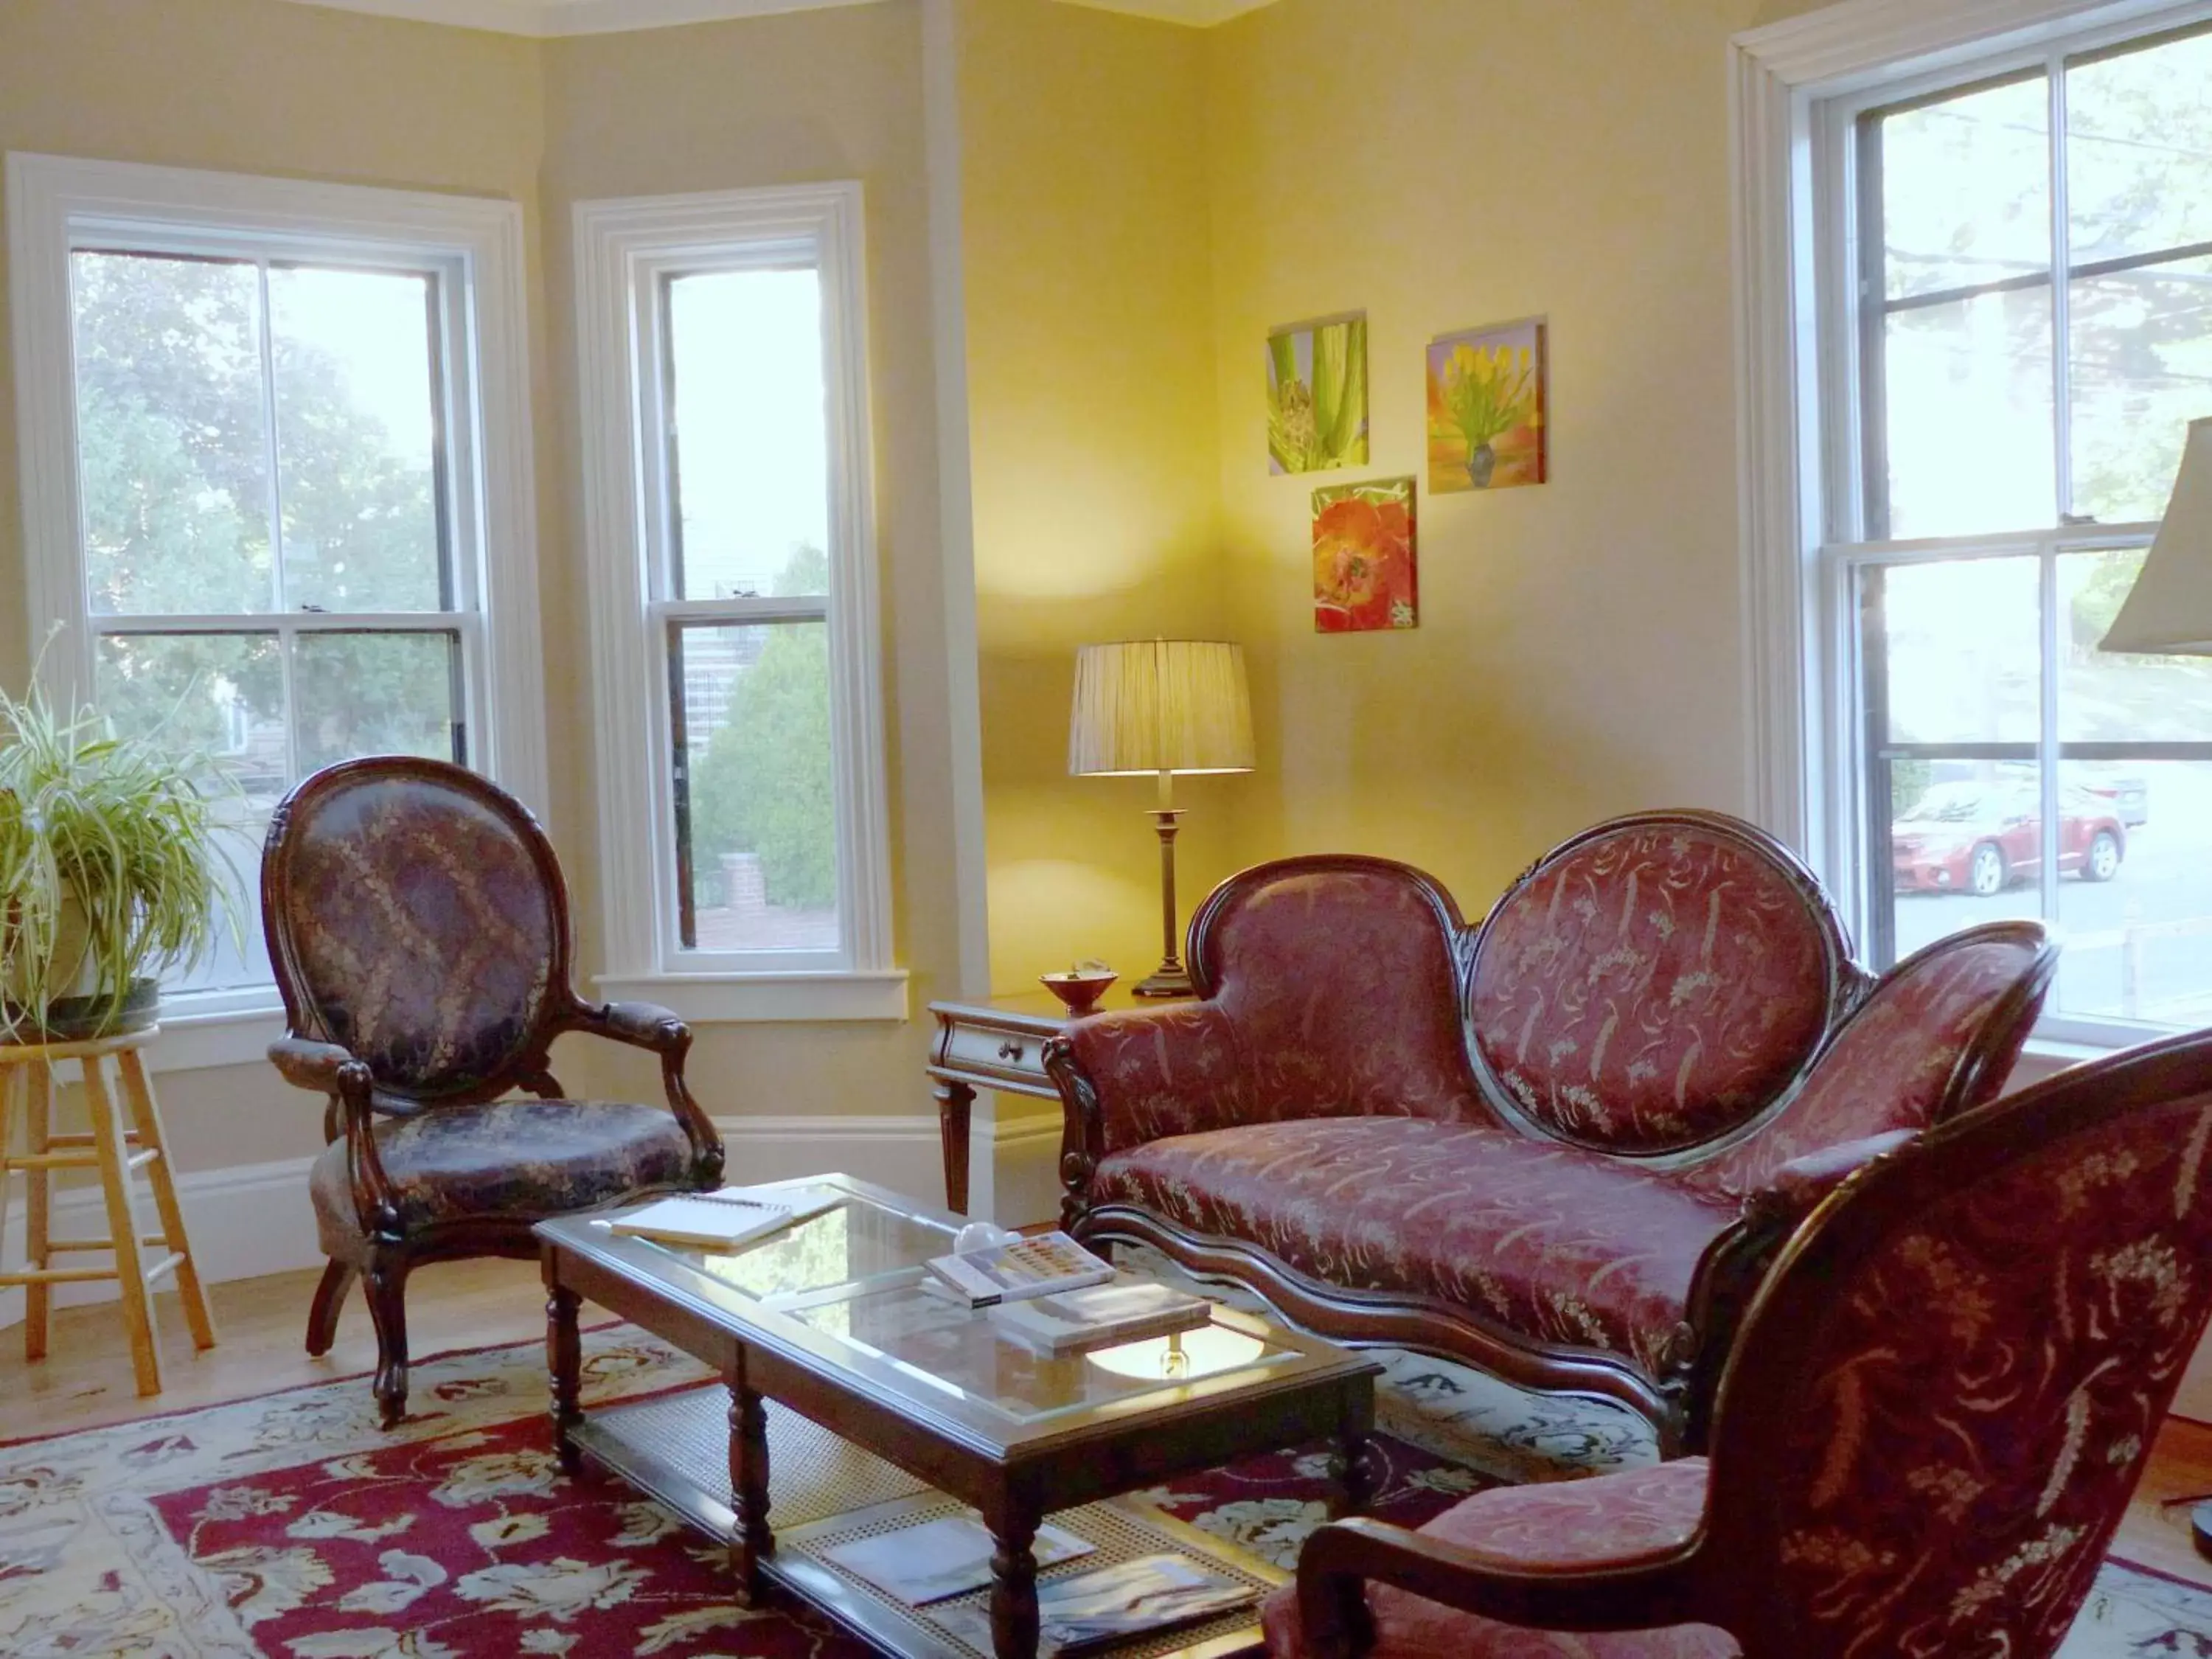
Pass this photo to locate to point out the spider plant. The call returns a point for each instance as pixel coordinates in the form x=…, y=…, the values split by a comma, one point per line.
x=112, y=865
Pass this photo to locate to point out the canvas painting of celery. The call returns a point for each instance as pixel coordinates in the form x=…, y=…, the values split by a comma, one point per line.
x=1486, y=407
x=1317, y=396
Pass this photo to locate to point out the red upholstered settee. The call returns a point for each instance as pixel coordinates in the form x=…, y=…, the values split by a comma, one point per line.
x=1562, y=1147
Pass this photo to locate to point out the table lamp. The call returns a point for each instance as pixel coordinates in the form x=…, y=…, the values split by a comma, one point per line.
x=2169, y=610
x=1161, y=707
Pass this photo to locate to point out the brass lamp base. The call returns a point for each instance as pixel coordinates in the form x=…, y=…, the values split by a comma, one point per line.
x=1168, y=979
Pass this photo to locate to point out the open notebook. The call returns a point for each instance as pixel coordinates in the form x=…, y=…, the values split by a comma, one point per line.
x=723, y=1220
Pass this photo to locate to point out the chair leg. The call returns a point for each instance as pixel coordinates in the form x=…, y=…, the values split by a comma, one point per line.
x=38, y=1208
x=124, y=1234
x=330, y=1298
x=385, y=1285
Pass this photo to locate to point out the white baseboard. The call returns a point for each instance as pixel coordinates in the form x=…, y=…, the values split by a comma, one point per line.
x=255, y=1218
x=245, y=1221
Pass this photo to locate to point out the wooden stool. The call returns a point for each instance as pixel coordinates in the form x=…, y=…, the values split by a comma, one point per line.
x=27, y=1092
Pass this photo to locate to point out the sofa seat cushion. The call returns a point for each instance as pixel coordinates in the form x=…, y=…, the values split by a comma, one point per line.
x=517, y=1159
x=1547, y=1241
x=1558, y=1527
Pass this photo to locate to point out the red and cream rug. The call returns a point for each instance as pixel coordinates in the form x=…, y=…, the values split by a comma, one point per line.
x=291, y=1526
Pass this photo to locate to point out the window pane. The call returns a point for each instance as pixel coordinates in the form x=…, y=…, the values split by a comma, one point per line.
x=748, y=438
x=755, y=819
x=2118, y=696
x=356, y=430
x=1967, y=415
x=223, y=695
x=1961, y=644
x=1966, y=846
x=172, y=430
x=2136, y=897
x=2142, y=359
x=377, y=693
x=1966, y=190
x=2139, y=150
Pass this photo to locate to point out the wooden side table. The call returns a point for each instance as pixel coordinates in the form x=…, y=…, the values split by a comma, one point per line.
x=117, y=1148
x=997, y=1044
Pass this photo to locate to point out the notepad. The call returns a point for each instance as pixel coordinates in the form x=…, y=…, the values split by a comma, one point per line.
x=710, y=1220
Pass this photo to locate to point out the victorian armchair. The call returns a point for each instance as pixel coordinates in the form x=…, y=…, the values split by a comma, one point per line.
x=418, y=926
x=1936, y=1410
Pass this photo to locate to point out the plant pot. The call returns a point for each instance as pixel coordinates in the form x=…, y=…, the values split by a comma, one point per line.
x=84, y=1019
x=1481, y=464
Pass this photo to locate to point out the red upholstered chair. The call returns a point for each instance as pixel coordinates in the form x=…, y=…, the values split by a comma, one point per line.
x=1547, y=1147
x=418, y=926
x=1935, y=1413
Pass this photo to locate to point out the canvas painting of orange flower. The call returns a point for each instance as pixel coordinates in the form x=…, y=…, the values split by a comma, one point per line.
x=1363, y=543
x=1486, y=407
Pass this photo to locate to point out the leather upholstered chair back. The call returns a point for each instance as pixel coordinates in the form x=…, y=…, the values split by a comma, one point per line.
x=1941, y=1400
x=417, y=917
x=1655, y=982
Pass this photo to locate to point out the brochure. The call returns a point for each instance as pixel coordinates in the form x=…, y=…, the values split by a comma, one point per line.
x=722, y=1220
x=1124, y=1310
x=1023, y=1268
x=945, y=1556
x=1149, y=1594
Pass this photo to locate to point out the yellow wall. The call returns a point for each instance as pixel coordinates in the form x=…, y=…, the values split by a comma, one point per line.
x=816, y=95
x=1443, y=165
x=253, y=86
x=256, y=86
x=1085, y=223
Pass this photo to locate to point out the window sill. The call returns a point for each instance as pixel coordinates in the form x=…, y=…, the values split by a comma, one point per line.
x=199, y=1042
x=756, y=998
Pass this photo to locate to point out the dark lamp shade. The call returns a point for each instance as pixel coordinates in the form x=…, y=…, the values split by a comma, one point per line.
x=2169, y=610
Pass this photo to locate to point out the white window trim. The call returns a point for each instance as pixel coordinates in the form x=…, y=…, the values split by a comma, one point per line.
x=1799, y=660
x=56, y=202
x=622, y=247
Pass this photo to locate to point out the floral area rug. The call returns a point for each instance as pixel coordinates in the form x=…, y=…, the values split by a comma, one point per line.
x=291, y=1526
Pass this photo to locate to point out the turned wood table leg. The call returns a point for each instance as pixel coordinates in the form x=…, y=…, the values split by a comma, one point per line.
x=955, y=1106
x=564, y=1370
x=1353, y=1465
x=1013, y=1579
x=750, y=1536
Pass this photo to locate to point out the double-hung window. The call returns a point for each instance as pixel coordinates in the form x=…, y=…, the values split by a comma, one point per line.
x=731, y=540
x=2017, y=328
x=275, y=482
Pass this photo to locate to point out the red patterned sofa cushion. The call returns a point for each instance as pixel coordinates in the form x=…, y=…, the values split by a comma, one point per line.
x=1575, y=1523
x=1654, y=983
x=1548, y=1241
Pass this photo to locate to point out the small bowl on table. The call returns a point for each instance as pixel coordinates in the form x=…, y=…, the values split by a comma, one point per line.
x=1080, y=988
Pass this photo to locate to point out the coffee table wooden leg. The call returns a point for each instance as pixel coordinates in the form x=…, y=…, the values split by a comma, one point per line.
x=750, y=1537
x=1013, y=1580
x=1354, y=1464
x=564, y=1370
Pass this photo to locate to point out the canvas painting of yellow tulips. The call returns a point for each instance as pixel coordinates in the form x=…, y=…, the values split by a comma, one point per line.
x=1317, y=396
x=1486, y=407
x=1363, y=550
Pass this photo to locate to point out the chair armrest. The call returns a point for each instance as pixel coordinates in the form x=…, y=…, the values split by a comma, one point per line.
x=1799, y=1186
x=1152, y=1073
x=647, y=1025
x=1638, y=1592
x=315, y=1066
x=640, y=1024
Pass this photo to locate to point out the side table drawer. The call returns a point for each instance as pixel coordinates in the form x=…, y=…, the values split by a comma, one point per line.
x=985, y=1052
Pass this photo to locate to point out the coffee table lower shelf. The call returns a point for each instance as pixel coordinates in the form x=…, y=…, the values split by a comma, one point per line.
x=824, y=1491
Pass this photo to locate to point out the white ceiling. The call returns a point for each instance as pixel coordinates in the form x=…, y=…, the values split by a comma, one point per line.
x=543, y=18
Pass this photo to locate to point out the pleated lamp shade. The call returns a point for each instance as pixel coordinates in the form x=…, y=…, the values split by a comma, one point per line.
x=1151, y=705
x=2170, y=607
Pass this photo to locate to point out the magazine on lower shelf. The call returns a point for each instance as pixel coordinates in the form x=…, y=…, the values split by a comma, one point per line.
x=948, y=1556
x=1131, y=1598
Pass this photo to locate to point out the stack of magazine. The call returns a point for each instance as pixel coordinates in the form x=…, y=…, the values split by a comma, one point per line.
x=932, y=1561
x=1050, y=1293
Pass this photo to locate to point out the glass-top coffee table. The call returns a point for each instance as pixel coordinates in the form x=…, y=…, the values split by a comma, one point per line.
x=908, y=1406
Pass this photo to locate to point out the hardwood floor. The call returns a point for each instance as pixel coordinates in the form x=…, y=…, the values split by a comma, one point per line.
x=259, y=1323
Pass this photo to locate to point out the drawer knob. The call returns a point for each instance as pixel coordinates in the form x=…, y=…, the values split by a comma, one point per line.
x=1010, y=1050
